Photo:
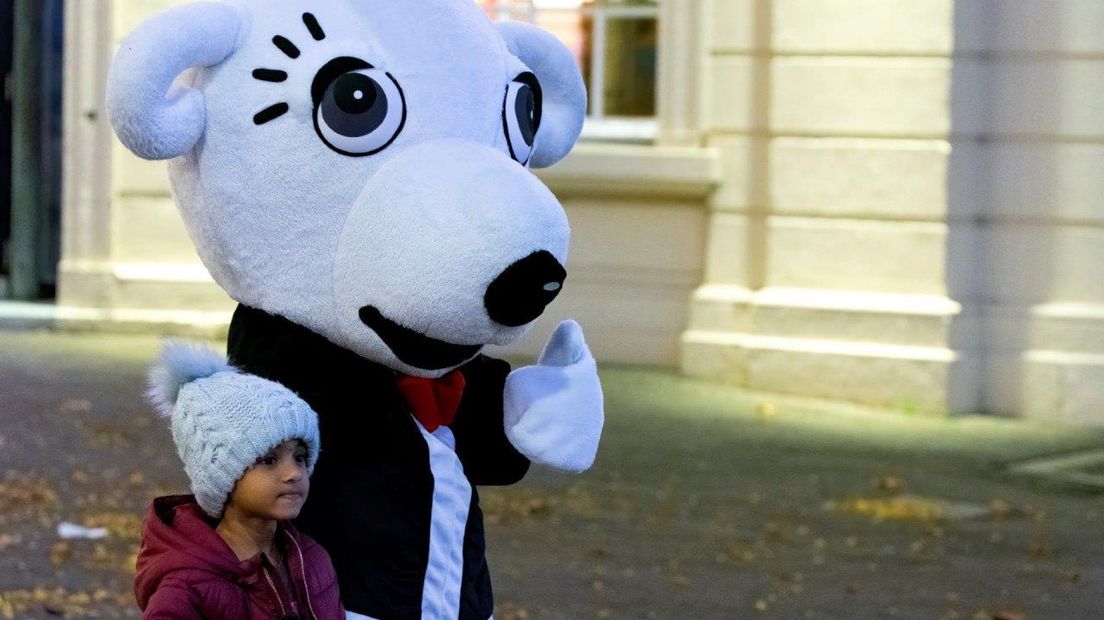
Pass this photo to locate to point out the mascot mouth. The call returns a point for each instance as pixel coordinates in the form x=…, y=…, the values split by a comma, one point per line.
x=413, y=348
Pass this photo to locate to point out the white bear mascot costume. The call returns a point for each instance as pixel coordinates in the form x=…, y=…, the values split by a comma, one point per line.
x=355, y=174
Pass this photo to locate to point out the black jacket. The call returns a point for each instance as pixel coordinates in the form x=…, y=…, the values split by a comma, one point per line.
x=372, y=492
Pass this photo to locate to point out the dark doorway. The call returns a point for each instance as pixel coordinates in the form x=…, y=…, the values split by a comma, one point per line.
x=32, y=39
x=6, y=20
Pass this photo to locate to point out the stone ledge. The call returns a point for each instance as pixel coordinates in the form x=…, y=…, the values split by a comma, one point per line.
x=207, y=325
x=141, y=287
x=1067, y=329
x=1048, y=385
x=27, y=315
x=901, y=320
x=922, y=353
x=927, y=380
x=821, y=346
x=595, y=169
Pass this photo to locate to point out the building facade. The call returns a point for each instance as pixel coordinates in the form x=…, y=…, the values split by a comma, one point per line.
x=888, y=202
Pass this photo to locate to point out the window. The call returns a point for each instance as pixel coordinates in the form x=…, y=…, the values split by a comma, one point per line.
x=615, y=43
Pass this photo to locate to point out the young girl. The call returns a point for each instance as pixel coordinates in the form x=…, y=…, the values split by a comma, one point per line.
x=229, y=551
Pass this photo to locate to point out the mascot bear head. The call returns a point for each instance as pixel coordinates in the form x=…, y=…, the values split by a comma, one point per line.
x=362, y=168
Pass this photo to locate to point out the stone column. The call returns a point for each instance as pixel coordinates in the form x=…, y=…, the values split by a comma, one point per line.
x=829, y=242
x=1028, y=121
x=913, y=214
x=85, y=271
x=127, y=261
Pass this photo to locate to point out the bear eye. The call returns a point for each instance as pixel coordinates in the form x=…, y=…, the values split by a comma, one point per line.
x=358, y=110
x=521, y=116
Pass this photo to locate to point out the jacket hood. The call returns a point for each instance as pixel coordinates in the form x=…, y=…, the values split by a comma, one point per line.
x=177, y=536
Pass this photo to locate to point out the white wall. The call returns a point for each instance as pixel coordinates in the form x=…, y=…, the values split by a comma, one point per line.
x=911, y=213
x=1028, y=123
x=826, y=269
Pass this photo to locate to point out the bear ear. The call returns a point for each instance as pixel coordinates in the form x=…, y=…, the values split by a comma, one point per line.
x=150, y=120
x=565, y=97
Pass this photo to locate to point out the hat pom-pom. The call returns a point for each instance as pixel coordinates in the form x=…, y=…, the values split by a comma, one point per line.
x=181, y=363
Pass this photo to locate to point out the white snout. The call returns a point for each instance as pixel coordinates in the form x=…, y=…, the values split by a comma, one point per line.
x=433, y=228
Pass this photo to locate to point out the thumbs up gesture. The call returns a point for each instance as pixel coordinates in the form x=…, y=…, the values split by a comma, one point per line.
x=553, y=410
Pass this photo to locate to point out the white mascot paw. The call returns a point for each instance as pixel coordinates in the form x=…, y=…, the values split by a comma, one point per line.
x=553, y=411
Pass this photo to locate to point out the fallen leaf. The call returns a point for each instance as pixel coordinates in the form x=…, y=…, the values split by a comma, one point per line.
x=908, y=508
x=8, y=540
x=891, y=484
x=75, y=405
x=60, y=553
x=510, y=611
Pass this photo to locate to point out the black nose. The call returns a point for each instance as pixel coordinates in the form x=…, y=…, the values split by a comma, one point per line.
x=521, y=292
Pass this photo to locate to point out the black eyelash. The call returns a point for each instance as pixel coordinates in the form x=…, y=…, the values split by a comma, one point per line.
x=271, y=113
x=269, y=75
x=286, y=46
x=312, y=25
x=274, y=112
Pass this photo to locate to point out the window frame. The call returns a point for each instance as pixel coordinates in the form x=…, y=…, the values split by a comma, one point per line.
x=599, y=126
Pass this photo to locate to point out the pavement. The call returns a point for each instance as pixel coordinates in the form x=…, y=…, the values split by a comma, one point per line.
x=705, y=502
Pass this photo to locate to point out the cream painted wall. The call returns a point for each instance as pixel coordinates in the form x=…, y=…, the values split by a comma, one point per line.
x=910, y=213
x=126, y=260
x=1029, y=137
x=827, y=265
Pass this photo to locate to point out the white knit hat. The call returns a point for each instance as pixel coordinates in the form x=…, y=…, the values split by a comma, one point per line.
x=223, y=420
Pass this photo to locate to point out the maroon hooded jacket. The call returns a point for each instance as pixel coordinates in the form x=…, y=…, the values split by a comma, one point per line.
x=186, y=571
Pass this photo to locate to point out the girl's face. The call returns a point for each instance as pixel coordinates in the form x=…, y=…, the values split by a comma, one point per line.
x=276, y=486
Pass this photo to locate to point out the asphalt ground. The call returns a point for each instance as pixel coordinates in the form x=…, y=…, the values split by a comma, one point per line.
x=706, y=502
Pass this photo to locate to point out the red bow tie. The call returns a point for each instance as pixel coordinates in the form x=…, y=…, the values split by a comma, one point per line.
x=433, y=401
